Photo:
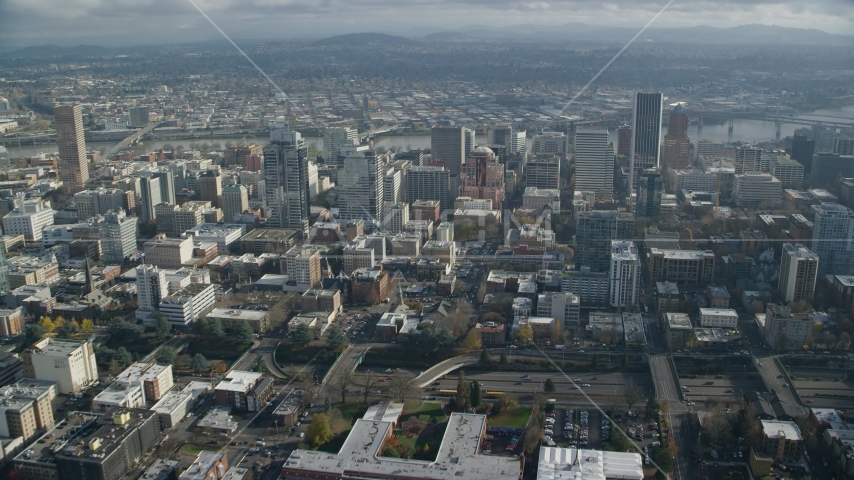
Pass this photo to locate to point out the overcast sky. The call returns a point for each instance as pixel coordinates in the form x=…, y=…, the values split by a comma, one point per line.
x=124, y=22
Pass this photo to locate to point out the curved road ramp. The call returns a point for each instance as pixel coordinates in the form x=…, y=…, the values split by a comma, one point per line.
x=445, y=367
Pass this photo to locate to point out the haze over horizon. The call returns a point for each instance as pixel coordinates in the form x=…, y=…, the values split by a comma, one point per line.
x=122, y=23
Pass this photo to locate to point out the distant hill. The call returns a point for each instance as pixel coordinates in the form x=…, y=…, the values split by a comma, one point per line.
x=362, y=39
x=752, y=34
x=449, y=37
x=57, y=51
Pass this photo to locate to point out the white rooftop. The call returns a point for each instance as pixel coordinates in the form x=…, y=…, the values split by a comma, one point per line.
x=171, y=401
x=570, y=463
x=719, y=312
x=384, y=412
x=777, y=429
x=202, y=465
x=238, y=381
x=238, y=314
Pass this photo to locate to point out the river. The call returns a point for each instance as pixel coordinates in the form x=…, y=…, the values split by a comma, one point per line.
x=743, y=130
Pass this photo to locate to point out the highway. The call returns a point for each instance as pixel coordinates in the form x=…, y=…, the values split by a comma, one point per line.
x=604, y=385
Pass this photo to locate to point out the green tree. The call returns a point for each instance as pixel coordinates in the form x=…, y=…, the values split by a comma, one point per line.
x=123, y=356
x=161, y=327
x=549, y=386
x=243, y=332
x=502, y=360
x=199, y=363
x=126, y=332
x=463, y=395
x=87, y=325
x=390, y=452
x=663, y=458
x=166, y=356
x=212, y=329
x=304, y=335
x=485, y=358
x=506, y=402
x=319, y=432
x=34, y=332
x=336, y=337
x=476, y=395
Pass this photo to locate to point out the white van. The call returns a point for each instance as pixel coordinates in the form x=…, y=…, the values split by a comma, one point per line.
x=655, y=444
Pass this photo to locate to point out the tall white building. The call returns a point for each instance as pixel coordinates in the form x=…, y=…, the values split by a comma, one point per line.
x=302, y=266
x=798, y=273
x=151, y=287
x=624, y=274
x=832, y=237
x=748, y=159
x=186, y=305
x=286, y=181
x=393, y=188
x=118, y=236
x=594, y=165
x=397, y=215
x=29, y=220
x=519, y=143
x=333, y=139
x=235, y=200
x=69, y=363
x=361, y=188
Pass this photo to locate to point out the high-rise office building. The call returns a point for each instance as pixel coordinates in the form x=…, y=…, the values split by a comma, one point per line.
x=624, y=140
x=448, y=145
x=333, y=139
x=519, y=143
x=210, y=186
x=748, y=159
x=802, y=150
x=361, y=187
x=149, y=197
x=91, y=203
x=594, y=232
x=677, y=145
x=646, y=135
x=798, y=273
x=5, y=284
x=551, y=143
x=833, y=239
x=470, y=141
x=827, y=167
x=73, y=164
x=393, y=190
x=543, y=171
x=118, y=236
x=500, y=135
x=286, y=181
x=235, y=200
x=624, y=273
x=482, y=177
x=708, y=148
x=429, y=183
x=151, y=287
x=649, y=193
x=594, y=166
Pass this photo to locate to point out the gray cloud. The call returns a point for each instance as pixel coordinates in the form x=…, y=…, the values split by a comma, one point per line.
x=117, y=22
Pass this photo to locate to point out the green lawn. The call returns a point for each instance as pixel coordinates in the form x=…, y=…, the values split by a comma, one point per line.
x=515, y=418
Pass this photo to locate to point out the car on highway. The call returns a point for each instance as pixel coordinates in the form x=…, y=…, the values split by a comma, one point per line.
x=729, y=390
x=585, y=384
x=594, y=378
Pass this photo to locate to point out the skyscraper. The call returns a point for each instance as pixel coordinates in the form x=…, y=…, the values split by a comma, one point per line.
x=73, y=164
x=333, y=139
x=677, y=145
x=748, y=159
x=832, y=237
x=542, y=171
x=649, y=193
x=361, y=187
x=429, y=183
x=286, y=181
x=138, y=116
x=594, y=232
x=624, y=140
x=118, y=236
x=646, y=135
x=151, y=287
x=841, y=146
x=802, y=150
x=235, y=200
x=624, y=274
x=448, y=145
x=798, y=273
x=482, y=177
x=594, y=166
x=470, y=141
x=149, y=197
x=5, y=284
x=210, y=186
x=500, y=135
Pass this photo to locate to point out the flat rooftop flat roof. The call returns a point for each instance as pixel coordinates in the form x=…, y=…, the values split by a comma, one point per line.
x=238, y=314
x=557, y=463
x=238, y=381
x=678, y=321
x=457, y=456
x=171, y=401
x=218, y=418
x=777, y=429
x=719, y=311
